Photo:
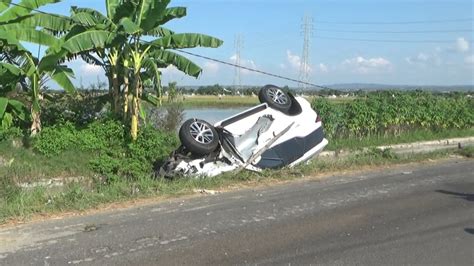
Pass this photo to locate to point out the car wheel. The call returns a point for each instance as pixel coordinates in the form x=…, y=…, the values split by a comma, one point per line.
x=275, y=97
x=198, y=136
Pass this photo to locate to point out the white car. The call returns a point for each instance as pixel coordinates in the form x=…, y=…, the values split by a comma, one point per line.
x=282, y=131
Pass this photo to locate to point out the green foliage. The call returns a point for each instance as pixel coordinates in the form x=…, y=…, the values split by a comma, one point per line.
x=22, y=24
x=391, y=113
x=10, y=133
x=152, y=145
x=12, y=113
x=138, y=157
x=56, y=139
x=210, y=90
x=81, y=108
x=99, y=135
x=331, y=115
x=114, y=155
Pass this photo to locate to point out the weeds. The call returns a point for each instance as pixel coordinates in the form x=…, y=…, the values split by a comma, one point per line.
x=22, y=203
x=467, y=151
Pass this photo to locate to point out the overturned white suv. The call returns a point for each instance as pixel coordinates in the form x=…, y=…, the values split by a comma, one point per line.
x=282, y=131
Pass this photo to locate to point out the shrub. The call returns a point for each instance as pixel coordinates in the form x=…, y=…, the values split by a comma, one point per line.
x=101, y=135
x=56, y=139
x=137, y=158
x=112, y=156
x=81, y=108
x=96, y=136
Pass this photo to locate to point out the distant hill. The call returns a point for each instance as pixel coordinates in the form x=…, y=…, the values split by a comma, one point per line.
x=371, y=86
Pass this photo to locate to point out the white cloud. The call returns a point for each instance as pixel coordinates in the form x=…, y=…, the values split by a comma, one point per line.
x=323, y=68
x=282, y=66
x=210, y=67
x=295, y=61
x=469, y=59
x=462, y=45
x=424, y=59
x=88, y=69
x=367, y=65
x=421, y=58
x=245, y=63
x=171, y=71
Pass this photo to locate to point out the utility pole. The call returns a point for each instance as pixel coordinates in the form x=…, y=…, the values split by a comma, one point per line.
x=238, y=45
x=307, y=32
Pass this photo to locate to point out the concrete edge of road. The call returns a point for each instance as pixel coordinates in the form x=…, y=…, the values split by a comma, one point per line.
x=414, y=147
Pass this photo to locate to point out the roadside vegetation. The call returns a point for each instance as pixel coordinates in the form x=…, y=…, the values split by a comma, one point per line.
x=19, y=204
x=390, y=117
x=74, y=149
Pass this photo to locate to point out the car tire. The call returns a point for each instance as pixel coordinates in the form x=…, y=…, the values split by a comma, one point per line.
x=275, y=97
x=198, y=136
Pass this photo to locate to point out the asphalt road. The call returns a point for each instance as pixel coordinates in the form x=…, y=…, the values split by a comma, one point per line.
x=417, y=214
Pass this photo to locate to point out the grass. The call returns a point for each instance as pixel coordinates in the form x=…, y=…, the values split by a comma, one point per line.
x=230, y=101
x=17, y=203
x=467, y=152
x=406, y=137
x=25, y=165
x=208, y=101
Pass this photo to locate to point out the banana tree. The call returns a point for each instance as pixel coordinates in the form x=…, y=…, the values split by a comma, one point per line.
x=34, y=74
x=90, y=24
x=19, y=23
x=10, y=109
x=118, y=39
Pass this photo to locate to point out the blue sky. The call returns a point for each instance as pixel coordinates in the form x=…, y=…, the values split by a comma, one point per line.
x=271, y=32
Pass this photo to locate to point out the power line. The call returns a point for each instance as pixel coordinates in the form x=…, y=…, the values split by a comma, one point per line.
x=416, y=31
x=250, y=69
x=267, y=73
x=381, y=40
x=200, y=56
x=394, y=22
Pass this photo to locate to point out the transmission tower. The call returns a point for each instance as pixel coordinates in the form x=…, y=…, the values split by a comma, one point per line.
x=307, y=32
x=238, y=45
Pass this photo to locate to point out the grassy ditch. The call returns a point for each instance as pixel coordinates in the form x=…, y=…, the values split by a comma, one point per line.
x=23, y=203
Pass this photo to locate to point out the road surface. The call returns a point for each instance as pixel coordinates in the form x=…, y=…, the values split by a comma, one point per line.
x=413, y=214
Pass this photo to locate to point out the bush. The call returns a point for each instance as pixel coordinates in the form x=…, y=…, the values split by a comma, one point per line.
x=56, y=139
x=137, y=158
x=81, y=108
x=113, y=155
x=101, y=135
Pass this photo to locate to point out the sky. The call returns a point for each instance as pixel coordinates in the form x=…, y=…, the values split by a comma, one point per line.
x=412, y=42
